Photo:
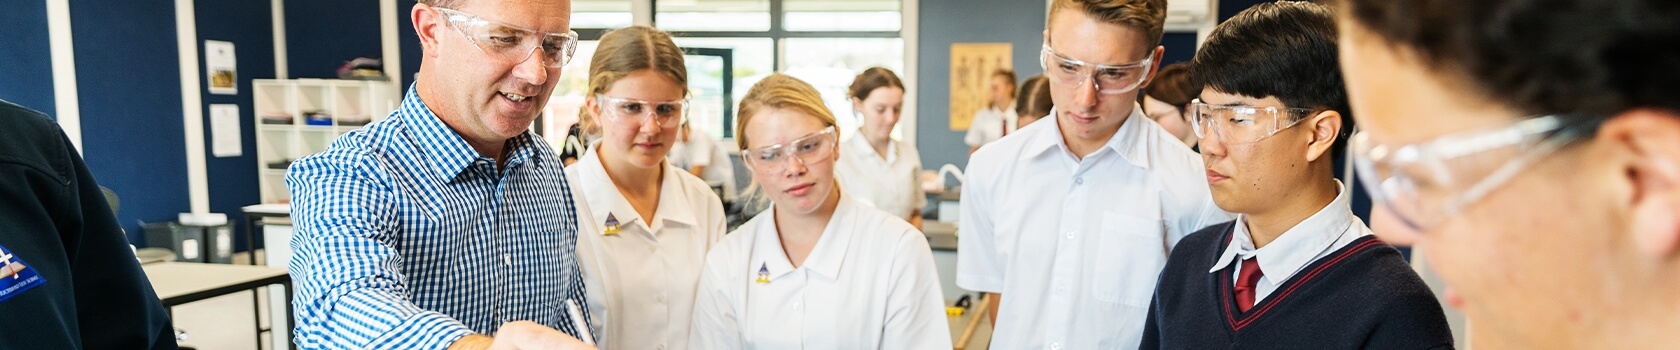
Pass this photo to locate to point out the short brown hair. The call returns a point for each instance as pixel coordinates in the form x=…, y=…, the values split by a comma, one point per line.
x=871, y=79
x=1007, y=74
x=1150, y=16
x=631, y=49
x=783, y=92
x=1034, y=97
x=1173, y=86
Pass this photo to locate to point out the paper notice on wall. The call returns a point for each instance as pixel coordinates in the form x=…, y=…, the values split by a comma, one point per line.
x=224, y=130
x=220, y=67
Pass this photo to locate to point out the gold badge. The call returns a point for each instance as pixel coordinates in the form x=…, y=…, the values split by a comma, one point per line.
x=612, y=225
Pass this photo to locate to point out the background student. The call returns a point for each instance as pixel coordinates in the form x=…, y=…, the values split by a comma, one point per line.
x=645, y=225
x=876, y=169
x=1167, y=101
x=1033, y=103
x=702, y=156
x=998, y=117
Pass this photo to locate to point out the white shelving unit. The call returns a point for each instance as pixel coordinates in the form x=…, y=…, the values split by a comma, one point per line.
x=298, y=117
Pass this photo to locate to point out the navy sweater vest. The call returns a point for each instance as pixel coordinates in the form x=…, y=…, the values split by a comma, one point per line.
x=1362, y=296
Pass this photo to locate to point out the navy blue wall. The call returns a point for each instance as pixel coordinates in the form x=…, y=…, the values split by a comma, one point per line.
x=129, y=87
x=25, y=58
x=322, y=34
x=233, y=180
x=944, y=22
x=408, y=42
x=1228, y=8
x=1178, y=47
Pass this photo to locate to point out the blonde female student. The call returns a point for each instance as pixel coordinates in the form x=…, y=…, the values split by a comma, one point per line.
x=645, y=225
x=875, y=168
x=817, y=269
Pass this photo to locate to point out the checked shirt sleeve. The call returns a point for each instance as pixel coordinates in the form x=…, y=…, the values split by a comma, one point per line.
x=350, y=291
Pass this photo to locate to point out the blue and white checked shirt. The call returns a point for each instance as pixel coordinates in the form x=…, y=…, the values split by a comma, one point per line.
x=407, y=238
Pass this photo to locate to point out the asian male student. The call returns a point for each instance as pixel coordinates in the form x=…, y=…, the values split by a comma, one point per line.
x=817, y=269
x=1296, y=269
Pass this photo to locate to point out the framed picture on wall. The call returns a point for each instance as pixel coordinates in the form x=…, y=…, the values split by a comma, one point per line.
x=220, y=67
x=972, y=65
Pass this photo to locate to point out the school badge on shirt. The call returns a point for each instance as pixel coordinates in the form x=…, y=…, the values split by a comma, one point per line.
x=611, y=224
x=16, y=276
x=763, y=273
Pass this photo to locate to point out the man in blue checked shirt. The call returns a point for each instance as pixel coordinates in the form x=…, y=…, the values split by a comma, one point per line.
x=448, y=224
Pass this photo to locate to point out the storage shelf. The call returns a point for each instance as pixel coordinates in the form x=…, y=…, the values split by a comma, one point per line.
x=298, y=98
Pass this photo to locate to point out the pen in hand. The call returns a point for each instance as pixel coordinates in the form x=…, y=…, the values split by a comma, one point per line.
x=579, y=323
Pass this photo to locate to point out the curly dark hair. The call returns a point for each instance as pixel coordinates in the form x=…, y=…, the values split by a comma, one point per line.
x=1575, y=57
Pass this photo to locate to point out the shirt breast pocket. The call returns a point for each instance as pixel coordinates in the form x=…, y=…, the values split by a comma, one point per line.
x=1130, y=254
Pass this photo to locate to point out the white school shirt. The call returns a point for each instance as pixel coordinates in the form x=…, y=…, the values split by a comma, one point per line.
x=988, y=125
x=1325, y=232
x=1075, y=246
x=890, y=184
x=869, y=283
x=640, y=282
x=702, y=150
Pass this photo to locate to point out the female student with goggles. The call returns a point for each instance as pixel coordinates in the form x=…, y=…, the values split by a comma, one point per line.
x=644, y=225
x=817, y=269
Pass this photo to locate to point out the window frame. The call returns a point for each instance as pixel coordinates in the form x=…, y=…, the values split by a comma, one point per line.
x=645, y=12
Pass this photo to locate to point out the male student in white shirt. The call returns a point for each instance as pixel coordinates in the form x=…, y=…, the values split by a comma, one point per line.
x=1070, y=220
x=998, y=118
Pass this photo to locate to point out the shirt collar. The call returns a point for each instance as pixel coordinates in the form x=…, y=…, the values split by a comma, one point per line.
x=604, y=196
x=1130, y=142
x=1296, y=247
x=826, y=257
x=446, y=152
x=861, y=144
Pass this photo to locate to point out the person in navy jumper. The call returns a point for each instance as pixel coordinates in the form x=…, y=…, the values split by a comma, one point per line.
x=1296, y=269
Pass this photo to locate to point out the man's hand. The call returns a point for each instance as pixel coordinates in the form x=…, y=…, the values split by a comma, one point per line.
x=530, y=335
x=520, y=335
